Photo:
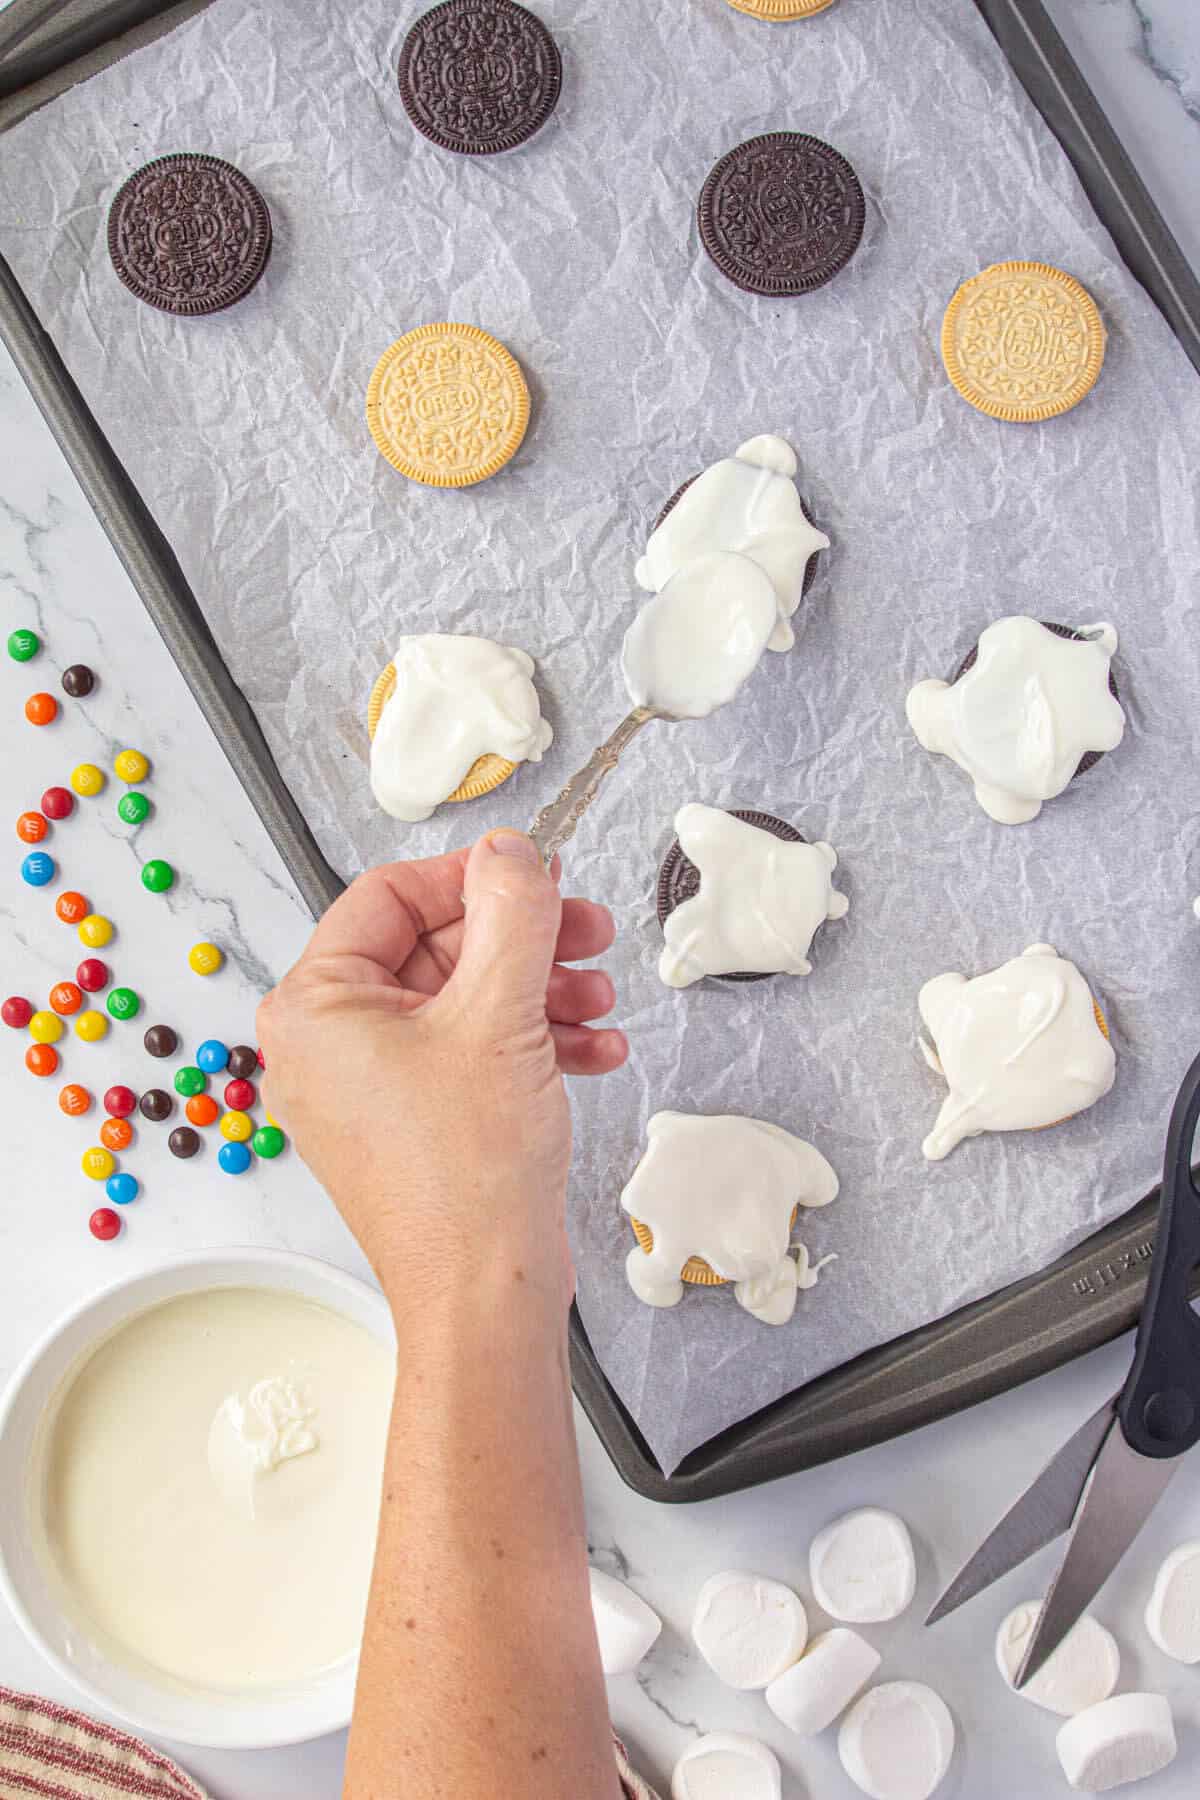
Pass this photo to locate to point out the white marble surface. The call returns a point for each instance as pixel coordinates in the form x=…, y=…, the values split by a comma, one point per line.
x=58, y=574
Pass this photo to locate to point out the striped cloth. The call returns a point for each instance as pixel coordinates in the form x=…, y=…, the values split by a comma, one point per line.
x=48, y=1752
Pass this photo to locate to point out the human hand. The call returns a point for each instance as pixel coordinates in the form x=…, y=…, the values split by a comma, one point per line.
x=416, y=1052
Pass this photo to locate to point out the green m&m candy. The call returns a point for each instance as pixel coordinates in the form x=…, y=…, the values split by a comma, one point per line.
x=157, y=875
x=267, y=1141
x=123, y=1003
x=190, y=1080
x=134, y=809
x=23, y=645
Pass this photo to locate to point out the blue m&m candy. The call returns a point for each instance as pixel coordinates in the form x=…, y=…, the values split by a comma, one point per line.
x=212, y=1056
x=122, y=1188
x=38, y=868
x=234, y=1158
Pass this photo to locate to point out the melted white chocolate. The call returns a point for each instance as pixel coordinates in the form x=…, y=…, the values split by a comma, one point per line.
x=1020, y=1048
x=725, y=1189
x=760, y=903
x=1021, y=719
x=456, y=698
x=746, y=503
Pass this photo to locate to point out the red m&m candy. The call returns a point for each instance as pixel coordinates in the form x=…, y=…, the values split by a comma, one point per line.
x=239, y=1095
x=72, y=907
x=120, y=1101
x=66, y=998
x=58, y=803
x=16, y=1012
x=31, y=828
x=92, y=974
x=104, y=1224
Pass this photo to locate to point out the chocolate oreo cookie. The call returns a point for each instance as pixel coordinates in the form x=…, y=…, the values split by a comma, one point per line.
x=479, y=76
x=810, y=567
x=1091, y=757
x=189, y=234
x=781, y=214
x=679, y=878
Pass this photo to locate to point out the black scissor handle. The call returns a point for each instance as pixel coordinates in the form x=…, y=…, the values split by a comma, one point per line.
x=1159, y=1406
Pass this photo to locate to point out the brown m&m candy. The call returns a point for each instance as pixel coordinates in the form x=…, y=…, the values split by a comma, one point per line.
x=156, y=1105
x=183, y=1141
x=189, y=234
x=243, y=1062
x=479, y=76
x=782, y=214
x=78, y=681
x=160, y=1040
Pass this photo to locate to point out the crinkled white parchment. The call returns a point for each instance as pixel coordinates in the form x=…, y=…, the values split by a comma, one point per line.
x=245, y=432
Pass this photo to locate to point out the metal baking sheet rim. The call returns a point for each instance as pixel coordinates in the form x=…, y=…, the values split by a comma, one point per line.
x=1088, y=1297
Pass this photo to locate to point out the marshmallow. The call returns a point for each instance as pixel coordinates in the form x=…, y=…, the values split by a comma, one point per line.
x=1082, y=1672
x=1122, y=1739
x=810, y=1695
x=726, y=1766
x=1173, y=1610
x=862, y=1567
x=896, y=1743
x=626, y=1628
x=748, y=1629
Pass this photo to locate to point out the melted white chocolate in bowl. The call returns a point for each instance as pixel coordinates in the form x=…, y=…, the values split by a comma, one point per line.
x=210, y=1490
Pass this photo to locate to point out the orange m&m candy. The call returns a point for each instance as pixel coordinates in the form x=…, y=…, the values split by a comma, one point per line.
x=72, y=907
x=31, y=827
x=202, y=1109
x=74, y=1100
x=66, y=998
x=41, y=1059
x=40, y=709
x=116, y=1134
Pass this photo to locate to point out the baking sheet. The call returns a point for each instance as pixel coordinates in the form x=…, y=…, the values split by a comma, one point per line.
x=245, y=434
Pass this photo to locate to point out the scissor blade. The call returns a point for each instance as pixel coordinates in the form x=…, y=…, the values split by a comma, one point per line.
x=1043, y=1512
x=1122, y=1493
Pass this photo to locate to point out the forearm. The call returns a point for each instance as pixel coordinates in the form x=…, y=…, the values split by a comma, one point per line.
x=480, y=1674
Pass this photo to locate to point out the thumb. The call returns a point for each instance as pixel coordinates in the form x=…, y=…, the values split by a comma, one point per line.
x=513, y=913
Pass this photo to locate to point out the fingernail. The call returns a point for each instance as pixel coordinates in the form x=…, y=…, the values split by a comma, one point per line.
x=506, y=842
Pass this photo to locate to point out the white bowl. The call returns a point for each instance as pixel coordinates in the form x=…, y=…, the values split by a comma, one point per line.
x=216, y=1721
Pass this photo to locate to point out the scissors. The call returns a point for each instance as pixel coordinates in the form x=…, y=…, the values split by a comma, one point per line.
x=1106, y=1480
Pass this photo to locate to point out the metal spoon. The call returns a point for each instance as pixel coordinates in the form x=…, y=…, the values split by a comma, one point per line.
x=556, y=822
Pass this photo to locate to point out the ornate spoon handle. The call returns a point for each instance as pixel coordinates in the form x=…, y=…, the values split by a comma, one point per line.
x=556, y=822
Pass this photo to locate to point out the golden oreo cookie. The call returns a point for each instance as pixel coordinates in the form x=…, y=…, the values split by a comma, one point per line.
x=484, y=774
x=779, y=11
x=447, y=405
x=1023, y=341
x=695, y=1270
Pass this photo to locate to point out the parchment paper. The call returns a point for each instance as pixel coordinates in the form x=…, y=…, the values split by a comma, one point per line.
x=246, y=434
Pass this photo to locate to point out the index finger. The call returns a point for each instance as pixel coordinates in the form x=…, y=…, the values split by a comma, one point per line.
x=382, y=914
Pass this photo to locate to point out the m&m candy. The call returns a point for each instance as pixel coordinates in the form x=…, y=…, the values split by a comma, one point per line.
x=45, y=1028
x=268, y=1141
x=58, y=803
x=116, y=1134
x=131, y=766
x=123, y=1003
x=234, y=1158
x=160, y=1040
x=41, y=1059
x=78, y=681
x=72, y=908
x=97, y=1163
x=92, y=974
x=66, y=997
x=237, y=1127
x=156, y=1105
x=23, y=645
x=41, y=709
x=120, y=1100
x=183, y=1141
x=74, y=1100
x=95, y=931
x=121, y=1189
x=240, y=1095
x=104, y=1224
x=243, y=1061
x=87, y=780
x=202, y=1109
x=212, y=1056
x=134, y=809
x=16, y=1011
x=38, y=868
x=91, y=1027
x=205, y=959
x=157, y=875
x=31, y=827
x=190, y=1080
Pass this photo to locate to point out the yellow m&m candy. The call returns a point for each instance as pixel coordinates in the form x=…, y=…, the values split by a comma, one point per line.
x=236, y=1127
x=98, y=1163
x=91, y=1027
x=87, y=779
x=95, y=931
x=205, y=959
x=45, y=1028
x=131, y=766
